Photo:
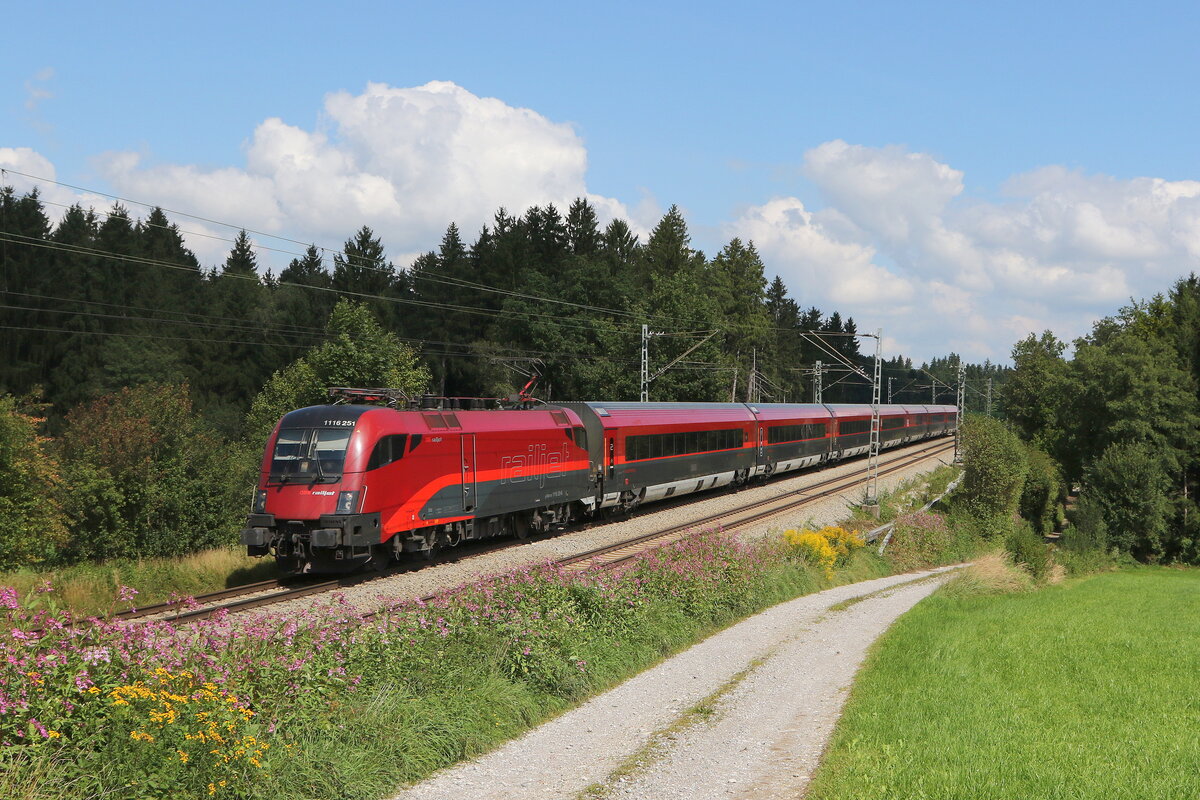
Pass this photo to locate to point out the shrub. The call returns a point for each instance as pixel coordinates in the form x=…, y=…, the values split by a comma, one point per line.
x=1083, y=547
x=1028, y=549
x=1086, y=531
x=33, y=526
x=995, y=467
x=921, y=539
x=146, y=476
x=1044, y=491
x=1131, y=487
x=992, y=573
x=830, y=547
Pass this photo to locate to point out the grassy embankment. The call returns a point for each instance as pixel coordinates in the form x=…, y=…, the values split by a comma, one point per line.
x=328, y=705
x=94, y=589
x=1080, y=690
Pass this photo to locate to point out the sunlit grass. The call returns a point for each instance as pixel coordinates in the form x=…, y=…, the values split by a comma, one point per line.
x=1082, y=690
x=92, y=589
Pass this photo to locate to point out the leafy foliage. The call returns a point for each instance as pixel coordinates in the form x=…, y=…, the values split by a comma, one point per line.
x=147, y=477
x=1028, y=548
x=1044, y=493
x=1122, y=417
x=358, y=352
x=1131, y=486
x=33, y=528
x=996, y=464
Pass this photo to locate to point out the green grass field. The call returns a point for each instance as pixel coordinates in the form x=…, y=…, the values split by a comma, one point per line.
x=1083, y=690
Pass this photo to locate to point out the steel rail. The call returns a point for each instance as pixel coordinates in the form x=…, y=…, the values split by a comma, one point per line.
x=619, y=552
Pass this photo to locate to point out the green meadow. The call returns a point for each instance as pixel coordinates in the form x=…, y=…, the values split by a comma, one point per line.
x=1086, y=689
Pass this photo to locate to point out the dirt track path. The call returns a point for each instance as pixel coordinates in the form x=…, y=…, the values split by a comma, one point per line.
x=783, y=676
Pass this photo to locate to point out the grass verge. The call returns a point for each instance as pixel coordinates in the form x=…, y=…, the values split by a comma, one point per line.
x=94, y=589
x=1080, y=690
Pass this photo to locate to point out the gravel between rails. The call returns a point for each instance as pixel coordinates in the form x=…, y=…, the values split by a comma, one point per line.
x=436, y=577
x=763, y=741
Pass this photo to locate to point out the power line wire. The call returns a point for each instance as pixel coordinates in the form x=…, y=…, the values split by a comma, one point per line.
x=447, y=280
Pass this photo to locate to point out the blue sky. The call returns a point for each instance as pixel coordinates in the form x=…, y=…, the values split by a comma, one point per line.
x=952, y=172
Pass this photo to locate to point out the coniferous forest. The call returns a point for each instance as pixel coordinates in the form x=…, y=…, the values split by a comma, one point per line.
x=138, y=384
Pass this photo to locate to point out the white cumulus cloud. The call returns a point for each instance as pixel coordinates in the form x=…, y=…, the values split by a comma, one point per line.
x=900, y=243
x=405, y=161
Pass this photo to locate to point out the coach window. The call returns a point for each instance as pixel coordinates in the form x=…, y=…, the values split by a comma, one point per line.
x=387, y=450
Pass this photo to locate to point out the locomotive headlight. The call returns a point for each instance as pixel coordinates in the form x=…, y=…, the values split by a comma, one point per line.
x=347, y=502
x=260, y=502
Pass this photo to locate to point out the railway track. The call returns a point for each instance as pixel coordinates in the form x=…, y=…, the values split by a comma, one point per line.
x=272, y=592
x=611, y=555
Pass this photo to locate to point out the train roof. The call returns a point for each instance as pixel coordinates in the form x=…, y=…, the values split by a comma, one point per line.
x=632, y=414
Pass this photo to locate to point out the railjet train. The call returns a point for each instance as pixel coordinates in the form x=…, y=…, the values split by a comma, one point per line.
x=353, y=483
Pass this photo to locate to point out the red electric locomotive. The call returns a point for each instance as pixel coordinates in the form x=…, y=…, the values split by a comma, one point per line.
x=346, y=484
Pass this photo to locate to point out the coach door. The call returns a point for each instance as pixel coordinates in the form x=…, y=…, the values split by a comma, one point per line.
x=468, y=472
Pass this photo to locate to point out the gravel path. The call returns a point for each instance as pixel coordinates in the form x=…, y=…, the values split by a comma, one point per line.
x=433, y=578
x=763, y=740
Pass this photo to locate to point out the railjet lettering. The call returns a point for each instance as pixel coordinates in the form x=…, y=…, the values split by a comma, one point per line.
x=537, y=464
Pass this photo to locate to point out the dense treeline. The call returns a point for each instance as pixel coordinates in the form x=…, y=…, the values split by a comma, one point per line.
x=1122, y=418
x=155, y=379
x=103, y=301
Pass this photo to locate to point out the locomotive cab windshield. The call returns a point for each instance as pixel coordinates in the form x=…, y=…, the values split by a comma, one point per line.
x=309, y=455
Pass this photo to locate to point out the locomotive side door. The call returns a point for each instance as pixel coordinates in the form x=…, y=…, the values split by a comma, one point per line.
x=467, y=443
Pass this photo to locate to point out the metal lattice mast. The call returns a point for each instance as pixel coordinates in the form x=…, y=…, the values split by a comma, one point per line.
x=817, y=372
x=752, y=389
x=890, y=390
x=962, y=397
x=645, y=363
x=989, y=397
x=873, y=453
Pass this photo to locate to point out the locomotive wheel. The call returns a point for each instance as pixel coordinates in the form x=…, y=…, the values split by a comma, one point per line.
x=381, y=557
